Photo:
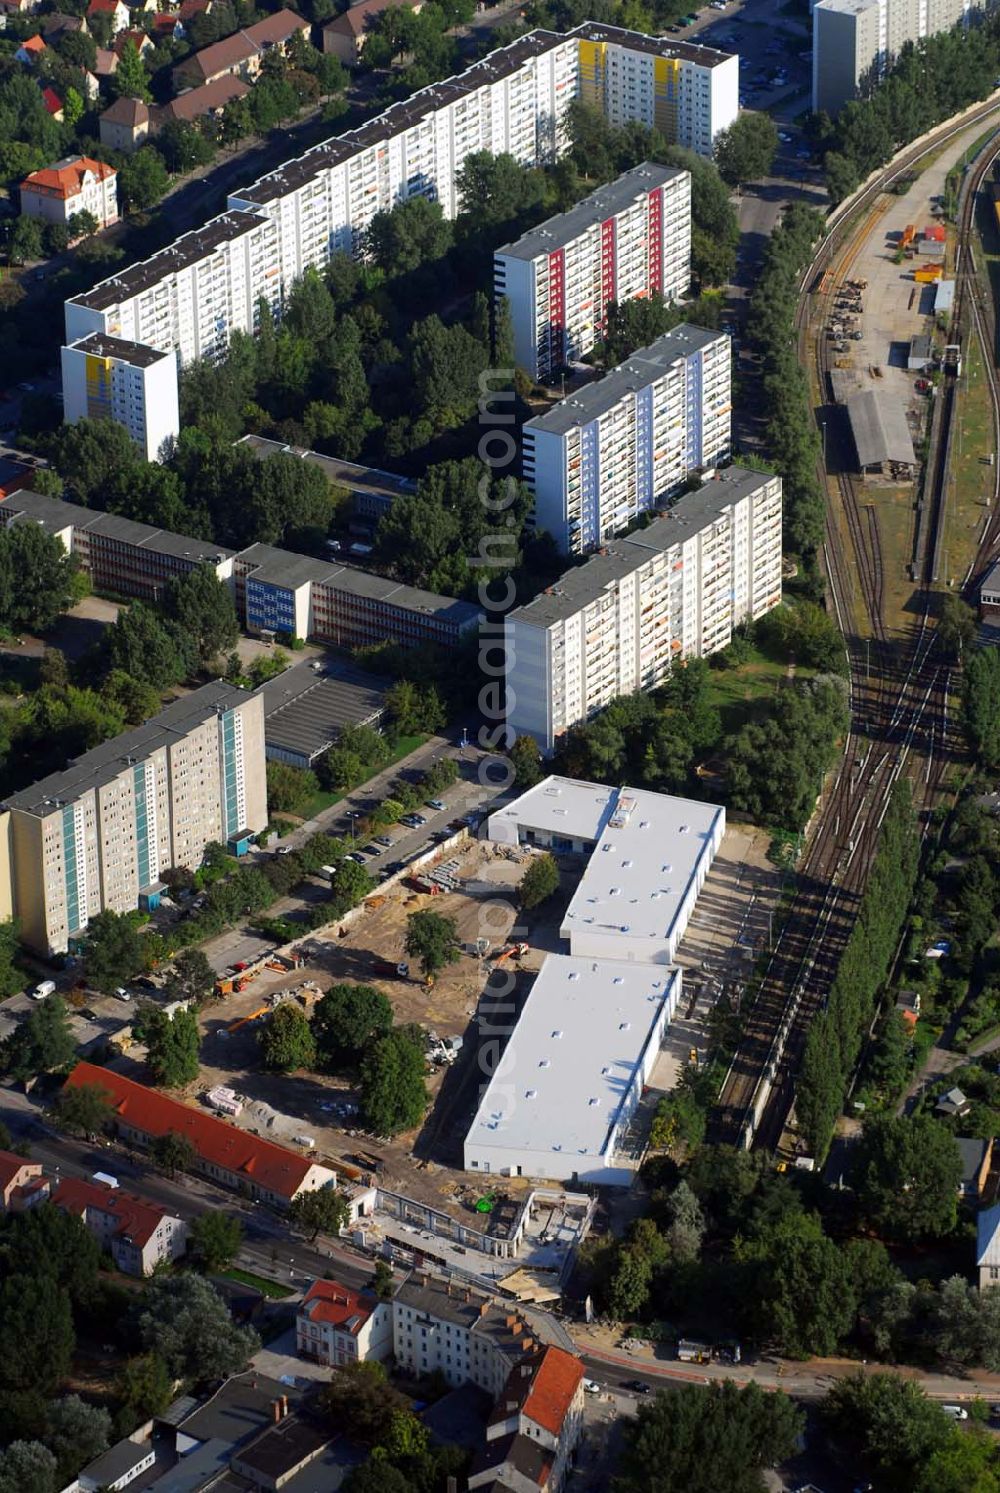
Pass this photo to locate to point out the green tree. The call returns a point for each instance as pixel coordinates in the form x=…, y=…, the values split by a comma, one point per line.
x=956, y=628
x=130, y=78
x=113, y=952
x=141, y=646
x=136, y=699
x=172, y=1044
x=891, y=1423
x=347, y=1021
x=25, y=242
x=28, y=1467
x=360, y=1396
x=216, y=1238
x=11, y=976
x=84, y=1109
x=351, y=885
x=804, y=1300
x=184, y=1321
x=183, y=146
x=75, y=1434
x=143, y=1388
x=540, y=881
x=286, y=1041
x=415, y=232
x=393, y=1092
x=289, y=788
x=190, y=977
x=37, y=578
x=203, y=608
x=746, y=150
x=172, y=1153
x=908, y=1175
x=432, y=940
x=981, y=705
x=526, y=759
x=36, y=1333
x=383, y=1284
x=325, y=1211
x=41, y=1043
x=707, y=1439
x=143, y=179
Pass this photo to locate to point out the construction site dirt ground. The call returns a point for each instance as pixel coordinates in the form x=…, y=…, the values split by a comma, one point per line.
x=730, y=917
x=284, y=1106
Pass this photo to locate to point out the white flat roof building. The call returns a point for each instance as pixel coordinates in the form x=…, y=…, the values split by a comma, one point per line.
x=573, y=1071
x=650, y=856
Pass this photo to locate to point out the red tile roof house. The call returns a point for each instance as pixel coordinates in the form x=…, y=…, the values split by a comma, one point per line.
x=345, y=36
x=138, y=1234
x=74, y=185
x=241, y=54
x=53, y=104
x=119, y=13
x=224, y=1153
x=337, y=1325
x=542, y=1402
x=21, y=1182
x=30, y=50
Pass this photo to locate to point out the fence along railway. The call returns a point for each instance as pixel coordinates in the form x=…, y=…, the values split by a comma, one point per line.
x=899, y=691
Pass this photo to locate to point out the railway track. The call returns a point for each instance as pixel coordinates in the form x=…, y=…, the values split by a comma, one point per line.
x=899, y=724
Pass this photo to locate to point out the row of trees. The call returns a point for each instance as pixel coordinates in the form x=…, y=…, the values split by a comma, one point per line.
x=729, y=1245
x=928, y=82
x=772, y=766
x=836, y=1034
x=790, y=428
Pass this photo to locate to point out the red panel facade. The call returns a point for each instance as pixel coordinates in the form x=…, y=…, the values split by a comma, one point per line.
x=655, y=220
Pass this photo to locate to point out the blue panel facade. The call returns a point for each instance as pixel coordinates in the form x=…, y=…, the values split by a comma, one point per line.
x=694, y=400
x=590, y=484
x=73, y=918
x=141, y=825
x=230, y=793
x=644, y=494
x=270, y=606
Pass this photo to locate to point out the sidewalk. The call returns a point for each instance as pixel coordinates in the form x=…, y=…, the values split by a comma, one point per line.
x=810, y=1379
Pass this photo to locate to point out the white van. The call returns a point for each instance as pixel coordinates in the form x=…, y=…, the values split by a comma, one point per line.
x=957, y=1412
x=47, y=987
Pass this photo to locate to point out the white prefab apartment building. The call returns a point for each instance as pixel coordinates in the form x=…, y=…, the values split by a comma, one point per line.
x=674, y=590
x=192, y=295
x=620, y=446
x=856, y=41
x=98, y=835
x=630, y=238
x=134, y=385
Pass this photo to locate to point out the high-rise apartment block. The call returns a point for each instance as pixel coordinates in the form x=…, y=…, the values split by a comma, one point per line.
x=622, y=445
x=672, y=591
x=100, y=834
x=855, y=41
x=107, y=378
x=630, y=238
x=191, y=296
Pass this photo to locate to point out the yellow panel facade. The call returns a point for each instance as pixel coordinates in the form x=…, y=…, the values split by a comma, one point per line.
x=666, y=87
x=593, y=64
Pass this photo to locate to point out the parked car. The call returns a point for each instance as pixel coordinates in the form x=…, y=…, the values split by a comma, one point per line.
x=638, y=1386
x=385, y=840
x=121, y=994
x=436, y=803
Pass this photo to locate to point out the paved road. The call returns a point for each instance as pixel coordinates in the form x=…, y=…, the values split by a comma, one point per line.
x=466, y=796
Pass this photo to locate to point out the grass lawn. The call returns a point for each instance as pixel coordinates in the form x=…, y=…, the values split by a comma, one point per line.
x=261, y=1283
x=970, y=484
x=321, y=801
x=738, y=693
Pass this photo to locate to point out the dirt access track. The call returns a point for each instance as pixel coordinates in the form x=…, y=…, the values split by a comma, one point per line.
x=484, y=907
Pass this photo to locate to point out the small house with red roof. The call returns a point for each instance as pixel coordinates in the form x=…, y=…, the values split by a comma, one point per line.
x=223, y=1152
x=139, y=40
x=137, y=1233
x=106, y=64
x=120, y=14
x=53, y=104
x=337, y=1325
x=77, y=184
x=21, y=1183
x=30, y=50
x=124, y=125
x=542, y=1402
